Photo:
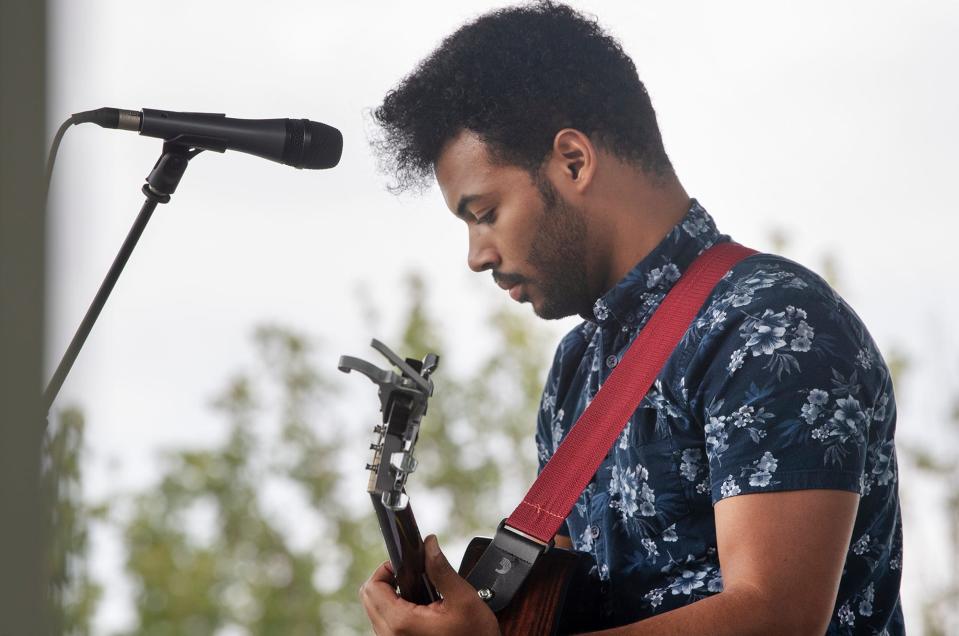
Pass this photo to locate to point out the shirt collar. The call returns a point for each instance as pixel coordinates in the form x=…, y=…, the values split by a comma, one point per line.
x=633, y=299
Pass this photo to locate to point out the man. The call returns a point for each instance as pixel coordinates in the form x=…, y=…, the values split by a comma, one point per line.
x=754, y=490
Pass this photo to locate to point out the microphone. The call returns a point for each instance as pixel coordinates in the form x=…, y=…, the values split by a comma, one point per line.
x=300, y=143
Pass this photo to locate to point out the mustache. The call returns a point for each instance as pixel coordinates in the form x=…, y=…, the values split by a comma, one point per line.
x=508, y=279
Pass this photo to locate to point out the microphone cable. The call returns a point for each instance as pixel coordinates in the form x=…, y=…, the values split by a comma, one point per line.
x=54, y=147
x=88, y=116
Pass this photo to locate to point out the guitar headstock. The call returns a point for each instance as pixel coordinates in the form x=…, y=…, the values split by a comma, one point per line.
x=404, y=393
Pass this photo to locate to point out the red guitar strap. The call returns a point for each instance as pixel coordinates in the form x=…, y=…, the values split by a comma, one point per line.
x=530, y=528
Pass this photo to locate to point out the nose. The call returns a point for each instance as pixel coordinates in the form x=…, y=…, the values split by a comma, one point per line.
x=482, y=254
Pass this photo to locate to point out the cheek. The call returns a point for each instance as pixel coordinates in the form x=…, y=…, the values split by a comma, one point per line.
x=522, y=233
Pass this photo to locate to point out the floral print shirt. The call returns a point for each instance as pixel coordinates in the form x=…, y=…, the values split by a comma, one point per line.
x=775, y=386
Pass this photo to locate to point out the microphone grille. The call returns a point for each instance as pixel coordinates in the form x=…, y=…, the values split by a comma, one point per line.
x=293, y=149
x=323, y=146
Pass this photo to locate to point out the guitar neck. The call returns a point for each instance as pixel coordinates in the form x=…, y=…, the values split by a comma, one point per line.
x=403, y=399
x=405, y=548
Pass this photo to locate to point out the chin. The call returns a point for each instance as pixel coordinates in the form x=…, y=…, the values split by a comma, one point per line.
x=552, y=312
x=554, y=306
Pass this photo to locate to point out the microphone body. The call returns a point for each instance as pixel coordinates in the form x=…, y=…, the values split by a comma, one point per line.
x=300, y=143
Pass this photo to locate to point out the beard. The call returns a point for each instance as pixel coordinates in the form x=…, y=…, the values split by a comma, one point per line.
x=558, y=255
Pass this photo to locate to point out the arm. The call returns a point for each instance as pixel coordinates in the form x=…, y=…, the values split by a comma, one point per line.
x=791, y=401
x=781, y=556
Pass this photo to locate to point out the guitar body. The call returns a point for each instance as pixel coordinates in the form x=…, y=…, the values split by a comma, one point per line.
x=555, y=599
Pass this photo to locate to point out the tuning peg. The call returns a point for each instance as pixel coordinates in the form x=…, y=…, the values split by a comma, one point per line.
x=403, y=462
x=372, y=466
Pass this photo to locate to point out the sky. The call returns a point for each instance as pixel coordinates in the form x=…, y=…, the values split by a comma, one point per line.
x=831, y=125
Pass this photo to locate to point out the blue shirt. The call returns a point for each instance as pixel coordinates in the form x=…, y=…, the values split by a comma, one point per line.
x=776, y=386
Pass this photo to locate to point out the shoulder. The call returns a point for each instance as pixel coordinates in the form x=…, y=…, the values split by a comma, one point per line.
x=772, y=310
x=766, y=278
x=781, y=290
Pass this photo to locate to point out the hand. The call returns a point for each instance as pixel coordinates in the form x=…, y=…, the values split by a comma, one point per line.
x=461, y=611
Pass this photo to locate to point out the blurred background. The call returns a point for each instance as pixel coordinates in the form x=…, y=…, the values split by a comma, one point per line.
x=209, y=456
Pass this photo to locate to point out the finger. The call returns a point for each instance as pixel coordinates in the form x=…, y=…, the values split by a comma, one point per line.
x=388, y=612
x=447, y=581
x=383, y=573
x=379, y=596
x=380, y=628
x=380, y=587
x=371, y=590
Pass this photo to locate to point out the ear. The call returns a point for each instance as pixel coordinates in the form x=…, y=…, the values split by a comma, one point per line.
x=574, y=159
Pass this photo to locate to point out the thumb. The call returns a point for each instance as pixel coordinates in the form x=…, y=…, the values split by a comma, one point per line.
x=447, y=581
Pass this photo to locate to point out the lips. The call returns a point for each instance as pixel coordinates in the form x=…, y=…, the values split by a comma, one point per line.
x=511, y=283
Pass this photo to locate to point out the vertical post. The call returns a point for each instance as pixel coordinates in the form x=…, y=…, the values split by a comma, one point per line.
x=24, y=533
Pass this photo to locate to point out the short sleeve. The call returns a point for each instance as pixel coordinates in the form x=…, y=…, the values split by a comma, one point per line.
x=793, y=393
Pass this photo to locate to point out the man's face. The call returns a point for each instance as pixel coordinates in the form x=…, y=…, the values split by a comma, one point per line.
x=533, y=241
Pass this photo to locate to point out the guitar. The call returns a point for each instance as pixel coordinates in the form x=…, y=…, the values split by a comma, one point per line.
x=542, y=606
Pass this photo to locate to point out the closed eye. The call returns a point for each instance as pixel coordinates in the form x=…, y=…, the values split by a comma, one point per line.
x=487, y=218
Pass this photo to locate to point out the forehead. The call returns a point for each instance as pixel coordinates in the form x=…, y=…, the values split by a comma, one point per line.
x=465, y=168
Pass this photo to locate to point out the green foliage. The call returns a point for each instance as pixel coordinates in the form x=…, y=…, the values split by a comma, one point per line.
x=74, y=594
x=939, y=606
x=939, y=610
x=246, y=573
x=208, y=548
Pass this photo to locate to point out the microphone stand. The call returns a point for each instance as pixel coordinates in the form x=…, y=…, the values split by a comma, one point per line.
x=160, y=184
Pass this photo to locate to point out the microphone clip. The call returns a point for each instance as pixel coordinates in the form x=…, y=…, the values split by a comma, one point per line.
x=168, y=170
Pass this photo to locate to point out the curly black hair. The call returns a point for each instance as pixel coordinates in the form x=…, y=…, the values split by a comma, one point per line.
x=515, y=77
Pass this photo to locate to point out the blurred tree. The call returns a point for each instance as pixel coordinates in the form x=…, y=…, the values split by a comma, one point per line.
x=242, y=574
x=255, y=535
x=74, y=594
x=940, y=610
x=209, y=549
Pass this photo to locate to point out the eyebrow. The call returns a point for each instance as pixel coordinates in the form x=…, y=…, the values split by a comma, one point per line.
x=461, y=210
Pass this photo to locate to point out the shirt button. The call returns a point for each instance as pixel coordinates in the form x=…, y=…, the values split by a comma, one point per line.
x=611, y=361
x=594, y=531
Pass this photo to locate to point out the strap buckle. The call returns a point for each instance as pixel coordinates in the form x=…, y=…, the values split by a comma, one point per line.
x=505, y=565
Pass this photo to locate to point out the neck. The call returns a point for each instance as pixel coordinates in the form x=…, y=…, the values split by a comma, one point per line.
x=637, y=212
